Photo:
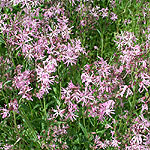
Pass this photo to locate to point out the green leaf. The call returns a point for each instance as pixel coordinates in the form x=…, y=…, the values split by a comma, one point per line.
x=55, y=90
x=84, y=130
x=58, y=102
x=91, y=121
x=36, y=106
x=101, y=132
x=129, y=100
x=146, y=94
x=134, y=87
x=76, y=141
x=2, y=40
x=6, y=82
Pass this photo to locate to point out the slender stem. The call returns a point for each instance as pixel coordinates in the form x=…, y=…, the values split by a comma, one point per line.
x=102, y=41
x=102, y=45
x=6, y=101
x=60, y=91
x=59, y=83
x=14, y=114
x=134, y=90
x=45, y=108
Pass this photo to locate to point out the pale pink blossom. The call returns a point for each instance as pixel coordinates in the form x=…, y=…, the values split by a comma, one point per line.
x=58, y=112
x=5, y=112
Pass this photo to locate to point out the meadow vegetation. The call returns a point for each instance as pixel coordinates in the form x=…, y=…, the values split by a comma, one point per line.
x=74, y=74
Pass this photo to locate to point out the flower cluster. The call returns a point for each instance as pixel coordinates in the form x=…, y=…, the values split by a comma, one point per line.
x=140, y=138
x=22, y=83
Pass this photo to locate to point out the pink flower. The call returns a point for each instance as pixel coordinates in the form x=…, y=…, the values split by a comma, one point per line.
x=114, y=143
x=108, y=107
x=7, y=147
x=5, y=112
x=84, y=97
x=71, y=114
x=1, y=83
x=124, y=89
x=142, y=87
x=137, y=139
x=65, y=146
x=95, y=47
x=86, y=78
x=144, y=107
x=104, y=12
x=113, y=16
x=129, y=92
x=58, y=112
x=83, y=22
x=13, y=105
x=22, y=82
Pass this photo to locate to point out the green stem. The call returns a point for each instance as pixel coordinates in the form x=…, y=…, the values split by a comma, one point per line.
x=15, y=123
x=102, y=45
x=102, y=41
x=59, y=83
x=45, y=108
x=6, y=101
x=134, y=90
x=60, y=91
